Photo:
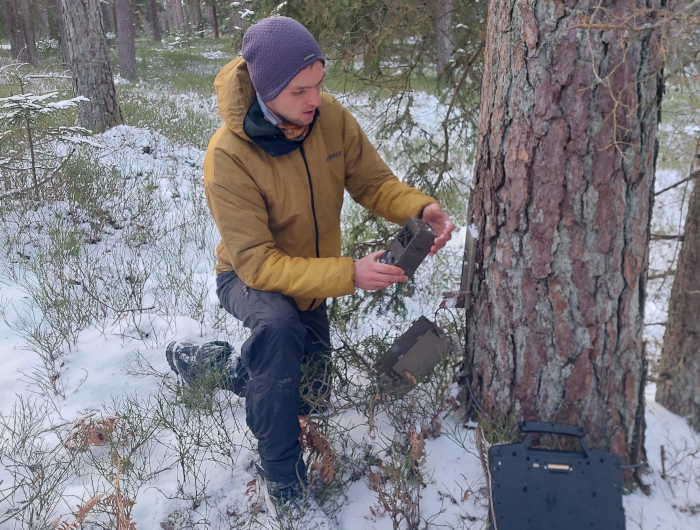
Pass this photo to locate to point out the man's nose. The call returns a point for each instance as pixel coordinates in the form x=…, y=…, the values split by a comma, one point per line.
x=315, y=99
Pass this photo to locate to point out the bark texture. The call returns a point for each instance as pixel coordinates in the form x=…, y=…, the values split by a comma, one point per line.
x=679, y=391
x=125, y=40
x=62, y=31
x=17, y=48
x=89, y=61
x=215, y=19
x=443, y=34
x=154, y=20
x=108, y=20
x=25, y=20
x=563, y=182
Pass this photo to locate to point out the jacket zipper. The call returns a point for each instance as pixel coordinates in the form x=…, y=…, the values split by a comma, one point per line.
x=313, y=207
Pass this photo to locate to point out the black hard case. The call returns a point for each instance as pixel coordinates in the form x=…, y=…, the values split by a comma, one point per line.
x=539, y=489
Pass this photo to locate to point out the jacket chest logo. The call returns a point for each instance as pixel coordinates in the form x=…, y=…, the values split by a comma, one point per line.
x=334, y=155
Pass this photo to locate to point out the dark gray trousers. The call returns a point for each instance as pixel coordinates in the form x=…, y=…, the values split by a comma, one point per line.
x=287, y=358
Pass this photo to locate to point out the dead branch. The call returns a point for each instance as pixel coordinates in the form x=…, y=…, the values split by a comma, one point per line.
x=666, y=237
x=692, y=176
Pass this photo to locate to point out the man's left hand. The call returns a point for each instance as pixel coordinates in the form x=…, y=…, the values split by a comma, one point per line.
x=441, y=224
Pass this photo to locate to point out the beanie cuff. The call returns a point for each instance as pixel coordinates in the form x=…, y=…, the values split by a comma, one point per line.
x=275, y=91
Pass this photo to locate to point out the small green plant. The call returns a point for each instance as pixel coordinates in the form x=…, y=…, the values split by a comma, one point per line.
x=33, y=140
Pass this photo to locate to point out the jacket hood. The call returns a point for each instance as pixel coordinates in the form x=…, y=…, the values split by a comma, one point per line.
x=235, y=94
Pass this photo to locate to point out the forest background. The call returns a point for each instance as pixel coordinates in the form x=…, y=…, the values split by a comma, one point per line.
x=108, y=254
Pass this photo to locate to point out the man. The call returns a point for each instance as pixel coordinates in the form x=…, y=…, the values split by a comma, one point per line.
x=274, y=176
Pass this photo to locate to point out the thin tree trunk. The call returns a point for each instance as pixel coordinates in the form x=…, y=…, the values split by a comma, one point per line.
x=199, y=24
x=125, y=41
x=25, y=19
x=17, y=49
x=215, y=19
x=62, y=31
x=154, y=20
x=108, y=20
x=43, y=8
x=679, y=370
x=563, y=190
x=167, y=18
x=180, y=15
x=443, y=34
x=89, y=60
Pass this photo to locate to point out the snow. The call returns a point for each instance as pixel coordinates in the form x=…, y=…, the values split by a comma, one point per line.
x=218, y=54
x=102, y=371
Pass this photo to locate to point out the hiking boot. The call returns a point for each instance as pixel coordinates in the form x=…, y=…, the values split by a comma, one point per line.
x=292, y=507
x=193, y=362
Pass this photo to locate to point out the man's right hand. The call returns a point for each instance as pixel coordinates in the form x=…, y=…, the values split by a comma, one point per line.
x=370, y=275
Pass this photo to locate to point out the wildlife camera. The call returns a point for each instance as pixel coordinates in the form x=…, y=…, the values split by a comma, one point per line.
x=410, y=246
x=412, y=357
x=543, y=489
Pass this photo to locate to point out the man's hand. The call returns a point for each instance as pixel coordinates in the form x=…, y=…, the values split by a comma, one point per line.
x=441, y=224
x=370, y=275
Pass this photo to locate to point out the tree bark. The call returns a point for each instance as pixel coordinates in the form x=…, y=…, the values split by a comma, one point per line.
x=17, y=49
x=167, y=19
x=154, y=20
x=89, y=60
x=62, y=31
x=179, y=16
x=215, y=19
x=679, y=370
x=108, y=20
x=563, y=190
x=25, y=19
x=125, y=41
x=443, y=34
x=45, y=30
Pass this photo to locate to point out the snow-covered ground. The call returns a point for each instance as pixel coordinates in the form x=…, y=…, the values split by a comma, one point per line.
x=117, y=368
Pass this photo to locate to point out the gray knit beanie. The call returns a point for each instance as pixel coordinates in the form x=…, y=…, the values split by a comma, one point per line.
x=277, y=49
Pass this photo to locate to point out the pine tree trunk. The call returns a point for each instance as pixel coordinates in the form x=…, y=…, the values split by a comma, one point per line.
x=562, y=203
x=200, y=19
x=154, y=20
x=679, y=370
x=89, y=60
x=167, y=19
x=108, y=20
x=44, y=17
x=25, y=19
x=180, y=16
x=443, y=34
x=62, y=31
x=125, y=41
x=215, y=19
x=17, y=49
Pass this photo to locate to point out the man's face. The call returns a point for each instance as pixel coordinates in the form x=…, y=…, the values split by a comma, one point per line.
x=298, y=102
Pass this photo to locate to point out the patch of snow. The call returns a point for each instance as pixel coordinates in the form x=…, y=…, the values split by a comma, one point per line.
x=218, y=54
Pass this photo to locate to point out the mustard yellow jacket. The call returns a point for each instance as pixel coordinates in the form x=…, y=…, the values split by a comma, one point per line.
x=279, y=221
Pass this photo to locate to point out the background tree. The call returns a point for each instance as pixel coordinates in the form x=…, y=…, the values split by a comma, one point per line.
x=125, y=40
x=443, y=34
x=562, y=200
x=89, y=61
x=17, y=48
x=62, y=31
x=25, y=20
x=215, y=19
x=679, y=372
x=110, y=27
x=153, y=5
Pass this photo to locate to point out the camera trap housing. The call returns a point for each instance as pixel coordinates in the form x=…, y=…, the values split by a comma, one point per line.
x=412, y=357
x=410, y=246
